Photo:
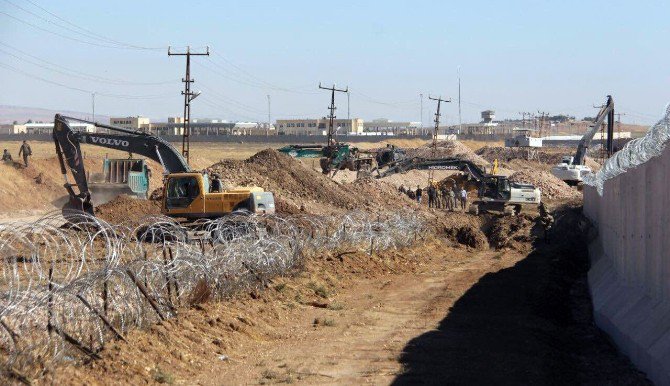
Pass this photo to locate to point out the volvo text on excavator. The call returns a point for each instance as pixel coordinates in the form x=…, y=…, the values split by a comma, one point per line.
x=184, y=190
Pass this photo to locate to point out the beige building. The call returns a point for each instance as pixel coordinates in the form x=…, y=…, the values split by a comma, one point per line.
x=318, y=126
x=133, y=123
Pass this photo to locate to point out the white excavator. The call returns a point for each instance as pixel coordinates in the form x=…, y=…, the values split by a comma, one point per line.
x=572, y=169
x=494, y=192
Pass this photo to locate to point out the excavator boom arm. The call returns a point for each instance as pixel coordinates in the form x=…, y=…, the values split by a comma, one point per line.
x=591, y=132
x=70, y=158
x=418, y=163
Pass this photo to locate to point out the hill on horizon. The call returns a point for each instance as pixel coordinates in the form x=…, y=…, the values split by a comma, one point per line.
x=21, y=114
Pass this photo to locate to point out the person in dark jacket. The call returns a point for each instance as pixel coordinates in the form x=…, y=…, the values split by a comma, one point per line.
x=432, y=196
x=26, y=152
x=216, y=185
x=418, y=194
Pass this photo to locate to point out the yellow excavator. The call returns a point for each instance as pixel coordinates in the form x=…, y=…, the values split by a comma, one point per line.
x=185, y=192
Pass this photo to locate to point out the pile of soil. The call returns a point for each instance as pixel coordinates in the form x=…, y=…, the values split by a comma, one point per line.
x=516, y=158
x=446, y=149
x=512, y=232
x=296, y=185
x=125, y=208
x=551, y=187
x=506, y=154
x=464, y=229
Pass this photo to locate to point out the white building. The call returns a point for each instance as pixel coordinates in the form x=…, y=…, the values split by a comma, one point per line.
x=45, y=128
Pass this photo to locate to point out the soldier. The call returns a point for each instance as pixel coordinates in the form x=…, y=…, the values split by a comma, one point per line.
x=418, y=194
x=26, y=151
x=452, y=200
x=216, y=184
x=6, y=157
x=432, y=195
x=546, y=220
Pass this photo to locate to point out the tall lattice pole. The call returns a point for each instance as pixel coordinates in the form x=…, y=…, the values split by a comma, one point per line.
x=436, y=130
x=332, y=108
x=188, y=97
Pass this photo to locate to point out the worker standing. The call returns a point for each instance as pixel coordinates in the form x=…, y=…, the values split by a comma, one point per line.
x=464, y=198
x=6, y=156
x=26, y=152
x=216, y=184
x=452, y=200
x=546, y=220
x=431, y=194
x=418, y=194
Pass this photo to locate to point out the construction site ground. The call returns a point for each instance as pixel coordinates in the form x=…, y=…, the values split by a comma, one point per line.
x=476, y=300
x=436, y=313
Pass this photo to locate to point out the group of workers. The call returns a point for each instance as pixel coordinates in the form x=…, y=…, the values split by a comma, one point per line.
x=439, y=197
x=24, y=151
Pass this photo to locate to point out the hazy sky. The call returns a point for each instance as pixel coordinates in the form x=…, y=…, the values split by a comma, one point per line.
x=558, y=56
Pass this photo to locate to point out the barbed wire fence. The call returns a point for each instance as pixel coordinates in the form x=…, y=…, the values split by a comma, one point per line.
x=67, y=291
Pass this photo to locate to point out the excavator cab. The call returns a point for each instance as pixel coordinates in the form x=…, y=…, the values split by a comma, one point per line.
x=187, y=197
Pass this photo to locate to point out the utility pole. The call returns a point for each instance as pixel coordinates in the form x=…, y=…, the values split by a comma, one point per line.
x=436, y=129
x=421, y=99
x=188, y=97
x=332, y=108
x=523, y=120
x=460, y=123
x=348, y=115
x=618, y=129
x=93, y=103
x=437, y=121
x=269, y=112
x=543, y=117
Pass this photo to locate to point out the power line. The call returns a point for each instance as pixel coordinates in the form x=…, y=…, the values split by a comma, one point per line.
x=119, y=96
x=75, y=73
x=88, y=34
x=92, y=33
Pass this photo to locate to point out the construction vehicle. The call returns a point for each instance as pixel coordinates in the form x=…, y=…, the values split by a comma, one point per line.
x=493, y=192
x=338, y=156
x=120, y=176
x=185, y=193
x=572, y=169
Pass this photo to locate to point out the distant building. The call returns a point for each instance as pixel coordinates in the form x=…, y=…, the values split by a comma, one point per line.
x=383, y=125
x=318, y=126
x=44, y=128
x=133, y=123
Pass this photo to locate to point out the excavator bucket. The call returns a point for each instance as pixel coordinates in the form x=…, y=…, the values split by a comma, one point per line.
x=76, y=209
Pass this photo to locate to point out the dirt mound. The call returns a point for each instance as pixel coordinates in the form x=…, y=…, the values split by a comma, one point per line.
x=512, y=232
x=516, y=158
x=506, y=154
x=296, y=185
x=447, y=149
x=125, y=208
x=465, y=229
x=552, y=187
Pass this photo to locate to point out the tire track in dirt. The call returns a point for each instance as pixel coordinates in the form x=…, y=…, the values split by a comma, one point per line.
x=365, y=345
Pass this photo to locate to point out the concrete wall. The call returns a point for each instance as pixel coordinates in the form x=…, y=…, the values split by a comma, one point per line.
x=630, y=263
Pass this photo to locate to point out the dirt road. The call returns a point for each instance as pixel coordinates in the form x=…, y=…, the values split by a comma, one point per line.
x=436, y=313
x=364, y=341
